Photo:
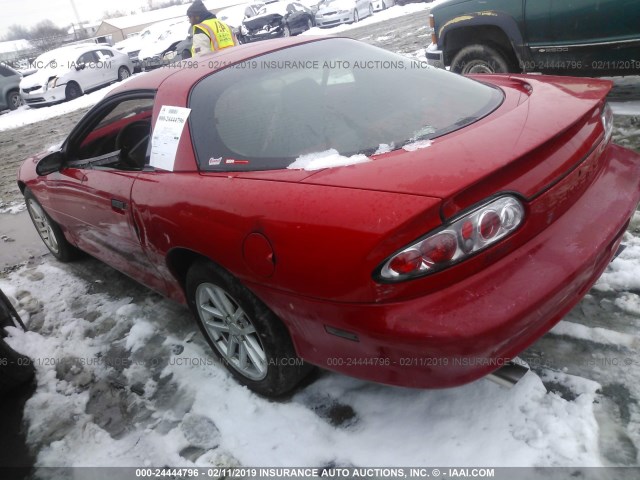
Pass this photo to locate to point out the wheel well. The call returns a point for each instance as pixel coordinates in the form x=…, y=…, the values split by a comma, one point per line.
x=489, y=35
x=179, y=260
x=73, y=82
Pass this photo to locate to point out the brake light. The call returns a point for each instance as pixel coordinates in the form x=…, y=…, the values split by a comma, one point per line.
x=456, y=241
x=607, y=123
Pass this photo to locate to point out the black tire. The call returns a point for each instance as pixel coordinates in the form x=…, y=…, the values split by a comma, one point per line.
x=9, y=317
x=15, y=368
x=123, y=73
x=49, y=231
x=14, y=100
x=479, y=58
x=282, y=370
x=72, y=91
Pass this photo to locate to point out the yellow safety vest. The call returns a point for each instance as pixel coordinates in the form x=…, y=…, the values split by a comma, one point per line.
x=220, y=35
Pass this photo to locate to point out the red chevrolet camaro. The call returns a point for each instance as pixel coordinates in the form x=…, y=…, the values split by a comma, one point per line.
x=326, y=200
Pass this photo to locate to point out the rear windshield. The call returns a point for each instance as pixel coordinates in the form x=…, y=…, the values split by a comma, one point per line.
x=332, y=94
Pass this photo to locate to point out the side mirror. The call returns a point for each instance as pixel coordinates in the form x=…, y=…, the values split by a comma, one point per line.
x=80, y=66
x=50, y=163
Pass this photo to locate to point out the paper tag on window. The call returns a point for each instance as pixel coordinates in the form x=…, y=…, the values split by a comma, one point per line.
x=166, y=136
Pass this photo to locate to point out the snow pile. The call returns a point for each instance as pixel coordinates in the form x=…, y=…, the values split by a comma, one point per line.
x=126, y=380
x=598, y=335
x=418, y=145
x=631, y=107
x=25, y=115
x=622, y=273
x=327, y=159
x=12, y=208
x=384, y=148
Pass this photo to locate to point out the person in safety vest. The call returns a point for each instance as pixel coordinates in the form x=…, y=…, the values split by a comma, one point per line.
x=208, y=33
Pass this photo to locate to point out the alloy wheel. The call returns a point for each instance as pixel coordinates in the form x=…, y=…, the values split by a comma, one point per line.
x=123, y=73
x=14, y=100
x=231, y=331
x=43, y=225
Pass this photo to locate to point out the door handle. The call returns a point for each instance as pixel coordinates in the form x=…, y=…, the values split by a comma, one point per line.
x=118, y=205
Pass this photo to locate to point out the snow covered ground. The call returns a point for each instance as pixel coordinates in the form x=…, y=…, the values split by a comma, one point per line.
x=124, y=379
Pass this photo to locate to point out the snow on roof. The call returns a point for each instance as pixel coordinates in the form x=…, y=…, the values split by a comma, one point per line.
x=154, y=16
x=15, y=46
x=148, y=17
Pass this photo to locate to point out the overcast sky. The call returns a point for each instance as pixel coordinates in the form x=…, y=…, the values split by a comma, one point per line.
x=30, y=12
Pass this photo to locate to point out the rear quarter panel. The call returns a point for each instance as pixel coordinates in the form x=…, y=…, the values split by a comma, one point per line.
x=326, y=241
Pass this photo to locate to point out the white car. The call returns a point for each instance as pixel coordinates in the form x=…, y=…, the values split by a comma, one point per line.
x=68, y=72
x=163, y=38
x=382, y=4
x=131, y=46
x=335, y=12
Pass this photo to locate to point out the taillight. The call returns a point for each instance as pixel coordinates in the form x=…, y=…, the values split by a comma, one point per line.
x=432, y=25
x=456, y=241
x=607, y=123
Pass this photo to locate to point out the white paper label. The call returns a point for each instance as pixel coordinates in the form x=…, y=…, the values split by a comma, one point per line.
x=166, y=136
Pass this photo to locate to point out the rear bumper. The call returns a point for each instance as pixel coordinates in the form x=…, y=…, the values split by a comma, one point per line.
x=435, y=57
x=471, y=328
x=264, y=35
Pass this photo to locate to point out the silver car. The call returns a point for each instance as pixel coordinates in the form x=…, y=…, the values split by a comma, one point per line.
x=68, y=72
x=335, y=12
x=9, y=82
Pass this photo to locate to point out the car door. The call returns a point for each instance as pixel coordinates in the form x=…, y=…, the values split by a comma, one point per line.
x=108, y=65
x=363, y=8
x=88, y=74
x=303, y=16
x=294, y=18
x=93, y=190
x=599, y=36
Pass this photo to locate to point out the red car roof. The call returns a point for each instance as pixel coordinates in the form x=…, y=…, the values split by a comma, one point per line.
x=189, y=74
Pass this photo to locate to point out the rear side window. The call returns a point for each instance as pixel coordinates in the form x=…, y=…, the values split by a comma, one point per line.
x=89, y=57
x=332, y=94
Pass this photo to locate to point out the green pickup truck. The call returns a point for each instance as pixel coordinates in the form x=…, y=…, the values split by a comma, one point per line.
x=566, y=37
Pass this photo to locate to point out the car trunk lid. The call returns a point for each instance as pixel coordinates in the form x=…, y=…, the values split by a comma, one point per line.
x=543, y=130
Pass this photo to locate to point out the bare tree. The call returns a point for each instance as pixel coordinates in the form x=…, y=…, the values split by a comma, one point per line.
x=46, y=35
x=113, y=14
x=17, y=32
